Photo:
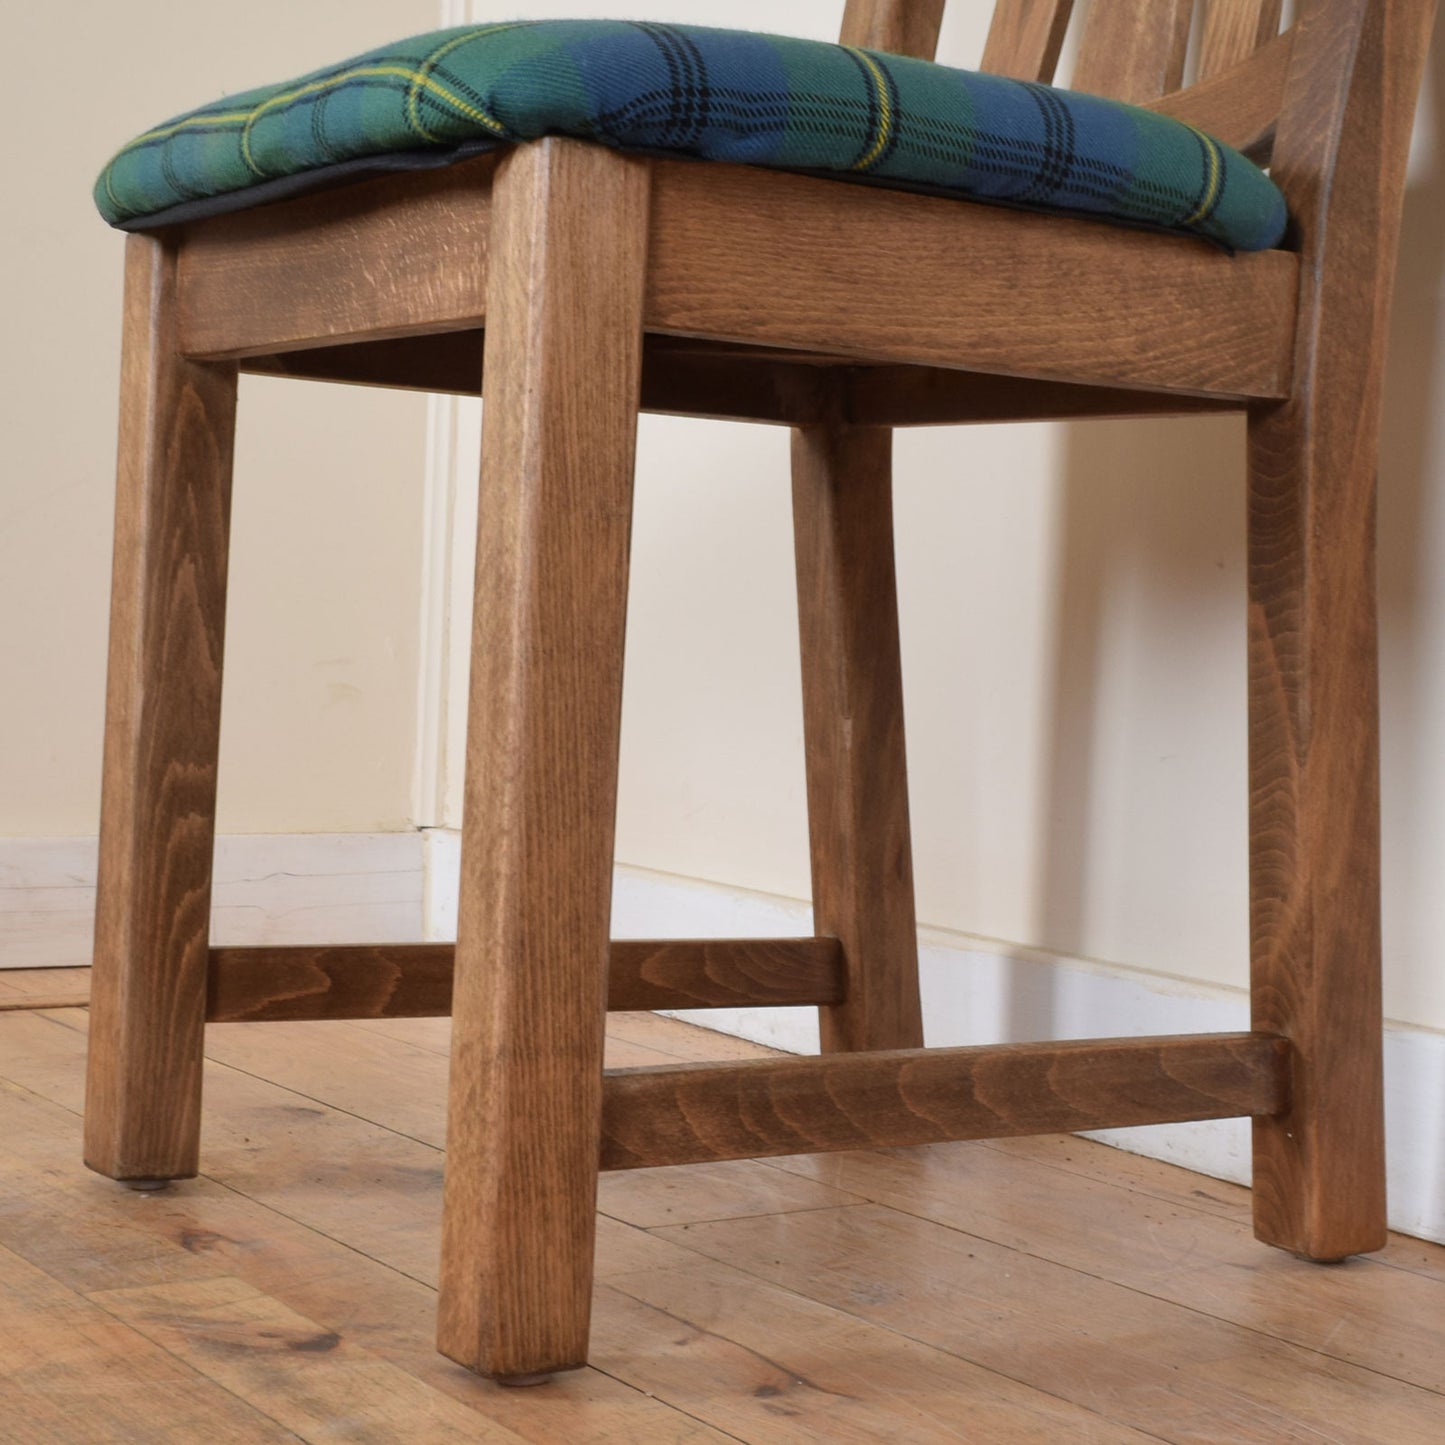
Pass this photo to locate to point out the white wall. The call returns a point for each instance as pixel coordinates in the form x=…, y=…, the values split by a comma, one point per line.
x=321, y=668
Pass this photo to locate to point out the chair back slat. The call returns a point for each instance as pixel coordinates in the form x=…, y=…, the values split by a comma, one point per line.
x=1241, y=105
x=1133, y=49
x=1025, y=38
x=903, y=27
x=1233, y=31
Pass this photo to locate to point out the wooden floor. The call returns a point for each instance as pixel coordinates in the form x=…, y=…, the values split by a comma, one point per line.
x=1041, y=1290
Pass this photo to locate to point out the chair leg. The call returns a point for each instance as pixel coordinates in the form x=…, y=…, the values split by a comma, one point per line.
x=563, y=363
x=853, y=730
x=163, y=702
x=1319, y=1169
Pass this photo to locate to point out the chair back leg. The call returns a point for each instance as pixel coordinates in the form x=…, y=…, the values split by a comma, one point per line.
x=1319, y=1168
x=562, y=375
x=861, y=851
x=163, y=707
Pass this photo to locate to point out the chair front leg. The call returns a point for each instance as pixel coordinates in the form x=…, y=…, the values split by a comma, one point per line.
x=163, y=707
x=563, y=364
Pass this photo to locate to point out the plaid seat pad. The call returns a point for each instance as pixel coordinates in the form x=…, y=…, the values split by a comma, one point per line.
x=721, y=95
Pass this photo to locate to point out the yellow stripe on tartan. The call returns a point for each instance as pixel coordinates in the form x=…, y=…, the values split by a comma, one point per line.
x=885, y=111
x=1216, y=174
x=413, y=96
x=402, y=72
x=161, y=133
x=248, y=118
x=229, y=117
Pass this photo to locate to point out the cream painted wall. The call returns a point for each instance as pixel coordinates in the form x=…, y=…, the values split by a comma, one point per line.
x=320, y=692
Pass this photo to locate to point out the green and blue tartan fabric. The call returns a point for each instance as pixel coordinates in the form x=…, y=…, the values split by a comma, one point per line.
x=721, y=95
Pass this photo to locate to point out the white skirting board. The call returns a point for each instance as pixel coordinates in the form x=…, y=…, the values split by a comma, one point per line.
x=402, y=888
x=269, y=888
x=979, y=991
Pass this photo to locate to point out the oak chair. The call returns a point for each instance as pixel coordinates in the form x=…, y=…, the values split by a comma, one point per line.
x=609, y=283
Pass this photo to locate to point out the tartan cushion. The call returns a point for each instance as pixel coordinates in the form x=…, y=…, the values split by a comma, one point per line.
x=723, y=95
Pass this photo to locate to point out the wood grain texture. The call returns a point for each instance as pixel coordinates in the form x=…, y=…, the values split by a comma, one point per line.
x=1313, y=711
x=895, y=396
x=275, y=1211
x=1133, y=50
x=1095, y=1282
x=446, y=362
x=265, y=985
x=1172, y=1243
x=752, y=384
x=403, y=254
x=43, y=988
x=769, y=1365
x=904, y=27
x=679, y=378
x=859, y=843
x=347, y=981
x=1233, y=31
x=1025, y=38
x=725, y=973
x=57, y=1001
x=564, y=355
x=763, y=258
x=1239, y=106
x=1043, y=1293
x=688, y=1113
x=117, y=1385
x=254, y=1348
x=768, y=387
x=163, y=701
x=731, y=1189
x=766, y=234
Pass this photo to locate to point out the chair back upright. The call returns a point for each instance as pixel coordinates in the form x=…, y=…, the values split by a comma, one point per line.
x=904, y=27
x=1131, y=49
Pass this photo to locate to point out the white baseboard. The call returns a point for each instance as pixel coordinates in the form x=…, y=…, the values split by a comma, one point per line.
x=980, y=991
x=269, y=888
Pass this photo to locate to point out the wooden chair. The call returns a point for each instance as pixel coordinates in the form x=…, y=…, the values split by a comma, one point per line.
x=609, y=283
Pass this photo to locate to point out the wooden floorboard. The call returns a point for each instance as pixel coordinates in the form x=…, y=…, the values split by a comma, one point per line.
x=1043, y=1289
x=30, y=988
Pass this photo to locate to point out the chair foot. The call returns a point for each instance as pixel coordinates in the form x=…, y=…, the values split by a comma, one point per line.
x=147, y=1186
x=520, y=1382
